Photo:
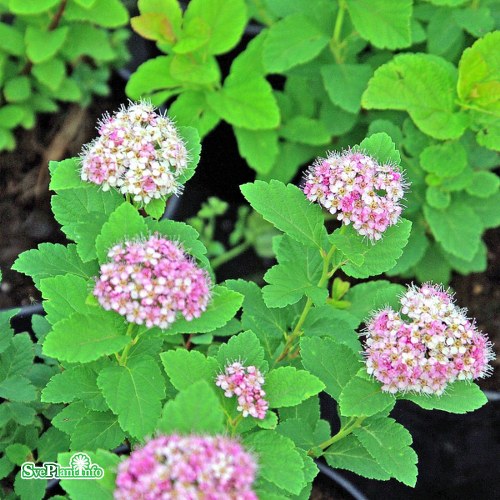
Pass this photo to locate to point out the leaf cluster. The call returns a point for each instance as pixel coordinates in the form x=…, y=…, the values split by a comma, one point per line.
x=53, y=52
x=424, y=72
x=103, y=381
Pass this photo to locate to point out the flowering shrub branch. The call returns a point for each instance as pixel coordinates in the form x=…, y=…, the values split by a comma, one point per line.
x=255, y=359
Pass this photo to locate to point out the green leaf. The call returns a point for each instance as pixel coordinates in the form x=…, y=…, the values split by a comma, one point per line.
x=195, y=69
x=445, y=160
x=351, y=455
x=290, y=157
x=306, y=131
x=245, y=347
x=385, y=23
x=191, y=109
x=478, y=264
x=268, y=324
x=157, y=26
x=345, y=84
x=364, y=397
x=437, y=198
x=366, y=259
x=297, y=274
x=299, y=431
x=17, y=453
x=17, y=388
x=65, y=174
x=105, y=13
x=288, y=209
x=226, y=20
x=28, y=7
x=443, y=34
x=97, y=489
x=292, y=41
x=381, y=147
x=123, y=224
x=43, y=45
x=457, y=228
x=308, y=411
x=184, y=368
x=258, y=147
x=388, y=442
x=388, y=127
x=88, y=40
x=155, y=208
x=413, y=251
x=82, y=213
x=246, y=102
x=459, y=397
x=191, y=139
x=335, y=324
x=287, y=386
x=50, y=260
x=486, y=210
x=222, y=307
x=64, y=295
x=368, y=297
x=479, y=72
x=52, y=442
x=333, y=363
x=134, y=393
x=21, y=413
x=272, y=451
x=86, y=337
x=17, y=358
x=11, y=39
x=6, y=332
x=432, y=266
x=28, y=489
x=17, y=89
x=150, y=76
x=483, y=184
x=478, y=21
x=78, y=382
x=51, y=73
x=67, y=419
x=424, y=86
x=194, y=410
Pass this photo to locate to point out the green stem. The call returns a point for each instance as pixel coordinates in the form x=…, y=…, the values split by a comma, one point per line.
x=335, y=42
x=325, y=275
x=122, y=359
x=231, y=254
x=475, y=108
x=354, y=423
x=337, y=30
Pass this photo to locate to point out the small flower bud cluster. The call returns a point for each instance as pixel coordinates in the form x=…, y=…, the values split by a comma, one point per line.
x=187, y=467
x=359, y=189
x=150, y=282
x=138, y=152
x=244, y=382
x=436, y=346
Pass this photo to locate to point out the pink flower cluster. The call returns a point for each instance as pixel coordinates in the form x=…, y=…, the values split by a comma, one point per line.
x=150, y=282
x=434, y=347
x=187, y=468
x=138, y=152
x=245, y=382
x=362, y=191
